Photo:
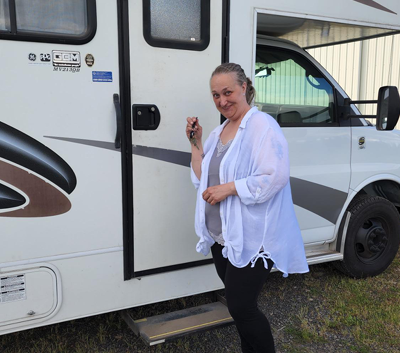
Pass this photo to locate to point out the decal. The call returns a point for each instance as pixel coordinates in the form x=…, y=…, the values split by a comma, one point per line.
x=10, y=198
x=89, y=59
x=12, y=288
x=102, y=76
x=36, y=171
x=301, y=189
x=32, y=57
x=66, y=58
x=375, y=5
x=67, y=69
x=45, y=57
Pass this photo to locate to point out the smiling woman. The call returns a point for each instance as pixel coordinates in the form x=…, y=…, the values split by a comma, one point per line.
x=244, y=209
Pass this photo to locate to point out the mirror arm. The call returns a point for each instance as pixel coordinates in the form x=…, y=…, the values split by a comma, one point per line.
x=348, y=102
x=361, y=116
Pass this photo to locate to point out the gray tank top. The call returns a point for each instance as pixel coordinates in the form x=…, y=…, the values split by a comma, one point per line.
x=213, y=218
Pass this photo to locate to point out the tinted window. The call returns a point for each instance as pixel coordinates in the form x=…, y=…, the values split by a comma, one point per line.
x=67, y=17
x=4, y=15
x=291, y=89
x=61, y=21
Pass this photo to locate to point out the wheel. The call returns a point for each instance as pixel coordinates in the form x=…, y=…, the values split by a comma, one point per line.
x=373, y=237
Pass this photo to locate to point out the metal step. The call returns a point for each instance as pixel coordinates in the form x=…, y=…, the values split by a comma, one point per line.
x=161, y=328
x=320, y=256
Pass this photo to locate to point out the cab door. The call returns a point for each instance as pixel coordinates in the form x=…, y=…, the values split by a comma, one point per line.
x=294, y=89
x=174, y=47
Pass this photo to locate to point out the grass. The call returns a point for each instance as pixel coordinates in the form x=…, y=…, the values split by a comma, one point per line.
x=322, y=311
x=364, y=314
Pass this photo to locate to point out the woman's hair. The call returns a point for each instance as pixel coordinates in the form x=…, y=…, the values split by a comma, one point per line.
x=240, y=78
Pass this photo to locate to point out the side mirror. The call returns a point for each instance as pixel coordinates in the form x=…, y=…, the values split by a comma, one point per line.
x=388, y=108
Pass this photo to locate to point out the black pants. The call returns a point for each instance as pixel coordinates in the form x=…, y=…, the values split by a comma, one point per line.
x=242, y=287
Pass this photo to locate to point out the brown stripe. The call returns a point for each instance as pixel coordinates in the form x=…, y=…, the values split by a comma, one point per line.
x=45, y=199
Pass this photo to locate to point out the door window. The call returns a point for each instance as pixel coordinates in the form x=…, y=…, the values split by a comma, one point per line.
x=179, y=24
x=291, y=89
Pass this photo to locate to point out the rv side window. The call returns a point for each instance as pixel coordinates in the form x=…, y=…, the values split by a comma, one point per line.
x=4, y=16
x=291, y=89
x=62, y=21
x=178, y=24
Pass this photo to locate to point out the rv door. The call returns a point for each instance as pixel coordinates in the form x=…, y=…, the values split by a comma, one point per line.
x=174, y=47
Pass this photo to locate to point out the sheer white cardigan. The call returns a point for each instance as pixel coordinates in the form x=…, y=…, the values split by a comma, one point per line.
x=260, y=222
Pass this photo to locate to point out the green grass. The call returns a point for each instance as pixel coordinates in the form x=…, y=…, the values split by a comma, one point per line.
x=366, y=311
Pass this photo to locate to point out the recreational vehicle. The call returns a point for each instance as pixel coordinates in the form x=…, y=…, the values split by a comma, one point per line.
x=96, y=203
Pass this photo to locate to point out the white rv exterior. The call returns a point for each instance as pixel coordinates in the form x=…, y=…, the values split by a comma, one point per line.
x=93, y=222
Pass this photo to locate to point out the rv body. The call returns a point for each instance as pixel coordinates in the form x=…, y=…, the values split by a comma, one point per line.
x=97, y=208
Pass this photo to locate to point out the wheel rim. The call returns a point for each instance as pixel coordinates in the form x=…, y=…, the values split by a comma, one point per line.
x=371, y=240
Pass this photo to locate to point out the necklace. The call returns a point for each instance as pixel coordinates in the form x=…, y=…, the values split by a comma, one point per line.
x=221, y=148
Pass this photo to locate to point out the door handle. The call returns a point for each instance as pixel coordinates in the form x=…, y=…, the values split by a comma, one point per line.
x=118, y=116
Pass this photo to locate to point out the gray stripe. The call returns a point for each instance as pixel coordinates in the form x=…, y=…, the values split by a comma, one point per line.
x=375, y=5
x=161, y=154
x=325, y=201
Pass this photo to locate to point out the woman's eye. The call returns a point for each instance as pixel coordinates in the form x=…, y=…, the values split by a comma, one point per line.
x=228, y=93
x=215, y=95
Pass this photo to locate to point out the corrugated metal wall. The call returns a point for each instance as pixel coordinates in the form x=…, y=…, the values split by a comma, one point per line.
x=361, y=68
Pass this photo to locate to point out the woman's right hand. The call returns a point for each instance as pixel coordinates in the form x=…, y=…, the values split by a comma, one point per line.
x=197, y=129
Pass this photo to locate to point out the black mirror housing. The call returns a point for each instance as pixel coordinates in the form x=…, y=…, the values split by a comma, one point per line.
x=388, y=108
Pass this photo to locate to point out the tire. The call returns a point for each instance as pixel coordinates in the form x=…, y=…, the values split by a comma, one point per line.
x=372, y=239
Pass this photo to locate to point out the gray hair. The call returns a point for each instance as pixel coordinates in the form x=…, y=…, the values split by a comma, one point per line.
x=240, y=78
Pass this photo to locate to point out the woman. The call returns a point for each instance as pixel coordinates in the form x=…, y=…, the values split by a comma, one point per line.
x=244, y=209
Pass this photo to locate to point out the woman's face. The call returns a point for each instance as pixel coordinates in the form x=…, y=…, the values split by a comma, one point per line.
x=229, y=97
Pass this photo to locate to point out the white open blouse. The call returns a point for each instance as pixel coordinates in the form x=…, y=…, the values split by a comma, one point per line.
x=260, y=222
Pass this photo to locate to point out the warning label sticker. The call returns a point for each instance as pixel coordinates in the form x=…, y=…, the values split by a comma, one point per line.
x=12, y=288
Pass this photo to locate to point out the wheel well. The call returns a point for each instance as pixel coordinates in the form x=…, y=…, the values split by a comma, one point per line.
x=388, y=189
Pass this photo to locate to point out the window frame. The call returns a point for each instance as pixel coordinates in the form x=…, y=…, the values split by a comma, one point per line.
x=335, y=120
x=58, y=38
x=205, y=24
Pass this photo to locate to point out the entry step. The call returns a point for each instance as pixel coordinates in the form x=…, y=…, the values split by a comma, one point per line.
x=161, y=328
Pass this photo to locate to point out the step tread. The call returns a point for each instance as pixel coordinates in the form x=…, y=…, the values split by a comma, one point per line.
x=172, y=325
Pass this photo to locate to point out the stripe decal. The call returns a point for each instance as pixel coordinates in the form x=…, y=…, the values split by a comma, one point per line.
x=21, y=149
x=375, y=5
x=326, y=202
x=9, y=198
x=161, y=154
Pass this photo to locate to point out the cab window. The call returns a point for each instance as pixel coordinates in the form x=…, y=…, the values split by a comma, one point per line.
x=291, y=89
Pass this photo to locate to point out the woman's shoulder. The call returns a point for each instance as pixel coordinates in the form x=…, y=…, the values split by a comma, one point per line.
x=260, y=121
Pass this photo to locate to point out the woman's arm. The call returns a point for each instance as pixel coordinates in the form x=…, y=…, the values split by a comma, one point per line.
x=270, y=171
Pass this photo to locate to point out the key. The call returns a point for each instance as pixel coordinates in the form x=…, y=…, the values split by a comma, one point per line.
x=192, y=138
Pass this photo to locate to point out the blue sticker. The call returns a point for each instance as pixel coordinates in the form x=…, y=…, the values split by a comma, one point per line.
x=102, y=76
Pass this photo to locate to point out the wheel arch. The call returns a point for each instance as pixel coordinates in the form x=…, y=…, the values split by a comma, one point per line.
x=383, y=185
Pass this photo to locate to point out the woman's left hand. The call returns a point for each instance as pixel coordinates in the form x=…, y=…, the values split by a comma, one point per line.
x=218, y=193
